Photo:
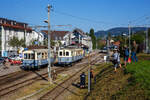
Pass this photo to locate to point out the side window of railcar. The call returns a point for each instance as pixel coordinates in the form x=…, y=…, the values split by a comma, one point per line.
x=25, y=56
x=46, y=55
x=42, y=55
x=32, y=56
x=60, y=53
x=39, y=55
x=29, y=56
x=67, y=53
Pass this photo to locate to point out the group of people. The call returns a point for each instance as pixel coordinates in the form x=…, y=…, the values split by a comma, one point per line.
x=116, y=57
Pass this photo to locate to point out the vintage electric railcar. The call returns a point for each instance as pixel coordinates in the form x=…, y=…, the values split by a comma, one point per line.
x=36, y=58
x=68, y=56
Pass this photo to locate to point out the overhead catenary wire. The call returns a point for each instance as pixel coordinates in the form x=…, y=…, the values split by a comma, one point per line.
x=85, y=19
x=140, y=19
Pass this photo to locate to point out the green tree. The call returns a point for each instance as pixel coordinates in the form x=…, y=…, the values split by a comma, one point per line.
x=109, y=36
x=93, y=38
x=52, y=43
x=139, y=38
x=46, y=42
x=33, y=41
x=22, y=43
x=15, y=42
x=100, y=44
x=59, y=43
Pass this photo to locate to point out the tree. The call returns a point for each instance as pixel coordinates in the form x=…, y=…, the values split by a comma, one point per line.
x=46, y=42
x=100, y=44
x=15, y=42
x=59, y=42
x=109, y=36
x=22, y=43
x=93, y=38
x=33, y=42
x=52, y=43
x=139, y=38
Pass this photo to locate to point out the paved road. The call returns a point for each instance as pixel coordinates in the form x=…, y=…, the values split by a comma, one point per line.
x=10, y=69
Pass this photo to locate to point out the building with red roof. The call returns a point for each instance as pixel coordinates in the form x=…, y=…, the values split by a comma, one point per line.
x=9, y=29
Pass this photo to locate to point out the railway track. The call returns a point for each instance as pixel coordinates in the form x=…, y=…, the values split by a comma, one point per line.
x=60, y=88
x=9, y=89
x=9, y=75
x=6, y=90
x=13, y=76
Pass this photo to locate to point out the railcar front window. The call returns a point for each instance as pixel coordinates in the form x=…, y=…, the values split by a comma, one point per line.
x=67, y=53
x=60, y=53
x=39, y=55
x=29, y=56
x=25, y=56
x=32, y=56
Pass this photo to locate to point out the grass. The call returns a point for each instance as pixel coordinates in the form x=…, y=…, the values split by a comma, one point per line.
x=140, y=72
x=133, y=84
x=138, y=84
x=83, y=92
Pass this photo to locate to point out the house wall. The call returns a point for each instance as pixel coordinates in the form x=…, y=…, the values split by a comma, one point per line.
x=34, y=36
x=8, y=33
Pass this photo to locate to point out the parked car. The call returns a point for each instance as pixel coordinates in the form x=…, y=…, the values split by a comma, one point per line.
x=15, y=62
x=15, y=57
x=104, y=50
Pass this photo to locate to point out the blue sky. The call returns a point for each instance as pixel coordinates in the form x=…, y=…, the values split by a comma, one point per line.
x=97, y=14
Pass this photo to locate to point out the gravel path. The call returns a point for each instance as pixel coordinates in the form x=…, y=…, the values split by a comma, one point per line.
x=10, y=69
